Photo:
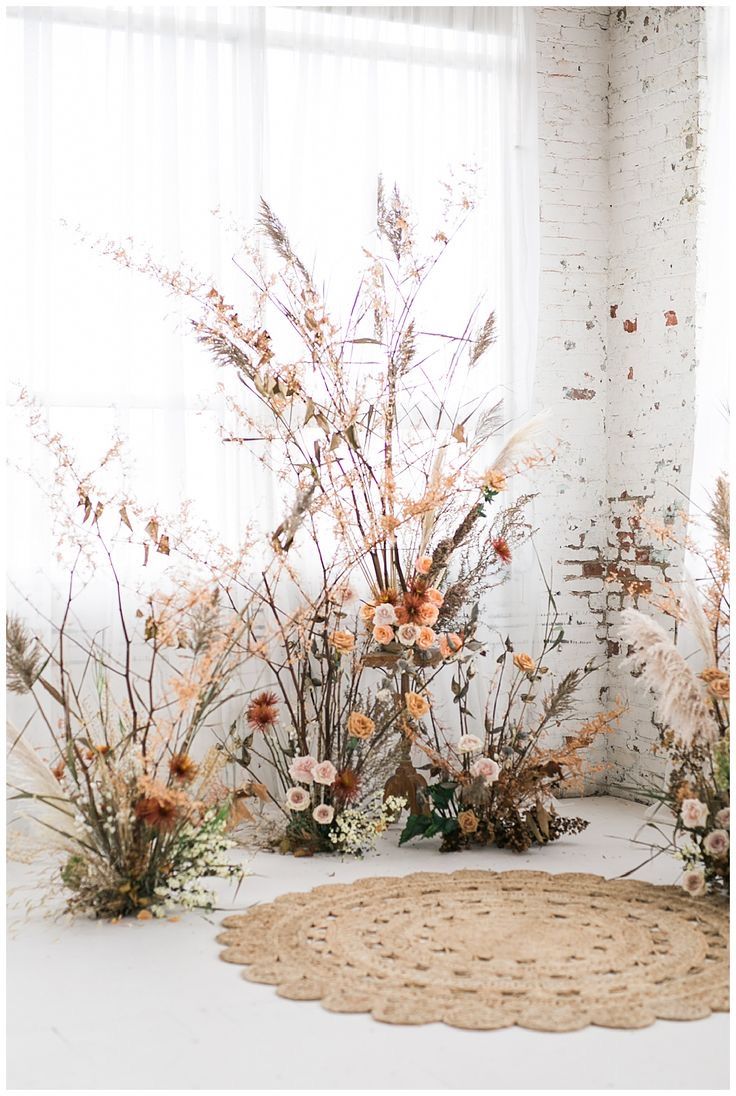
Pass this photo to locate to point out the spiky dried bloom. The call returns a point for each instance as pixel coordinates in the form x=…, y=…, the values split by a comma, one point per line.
x=680, y=700
x=263, y=711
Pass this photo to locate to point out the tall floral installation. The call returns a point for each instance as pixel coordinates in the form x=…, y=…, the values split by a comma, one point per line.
x=692, y=697
x=369, y=600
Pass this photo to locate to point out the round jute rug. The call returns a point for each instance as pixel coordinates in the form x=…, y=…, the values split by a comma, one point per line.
x=484, y=950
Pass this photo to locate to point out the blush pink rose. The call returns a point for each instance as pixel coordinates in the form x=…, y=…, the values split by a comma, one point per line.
x=324, y=773
x=297, y=799
x=694, y=814
x=302, y=768
x=716, y=844
x=323, y=814
x=693, y=881
x=487, y=768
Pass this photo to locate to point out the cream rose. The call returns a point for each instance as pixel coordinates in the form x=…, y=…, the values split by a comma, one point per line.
x=469, y=743
x=384, y=614
x=408, y=634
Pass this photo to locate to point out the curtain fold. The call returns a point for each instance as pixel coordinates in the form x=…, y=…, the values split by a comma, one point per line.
x=139, y=122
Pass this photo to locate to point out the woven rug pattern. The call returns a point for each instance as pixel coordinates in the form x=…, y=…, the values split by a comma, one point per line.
x=484, y=950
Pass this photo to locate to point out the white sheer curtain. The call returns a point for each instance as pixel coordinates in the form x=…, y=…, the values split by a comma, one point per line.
x=138, y=122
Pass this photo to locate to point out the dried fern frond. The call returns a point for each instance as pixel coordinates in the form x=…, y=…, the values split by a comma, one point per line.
x=23, y=658
x=720, y=512
x=680, y=701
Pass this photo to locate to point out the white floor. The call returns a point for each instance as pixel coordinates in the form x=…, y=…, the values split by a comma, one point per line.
x=149, y=1005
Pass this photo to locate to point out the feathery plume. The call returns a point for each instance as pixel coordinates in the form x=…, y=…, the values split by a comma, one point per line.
x=680, y=702
x=520, y=442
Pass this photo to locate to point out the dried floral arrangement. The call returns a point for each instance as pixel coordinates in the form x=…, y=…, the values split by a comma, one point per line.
x=692, y=704
x=370, y=587
x=113, y=804
x=498, y=788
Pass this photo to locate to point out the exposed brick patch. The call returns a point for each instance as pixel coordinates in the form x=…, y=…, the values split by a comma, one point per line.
x=619, y=130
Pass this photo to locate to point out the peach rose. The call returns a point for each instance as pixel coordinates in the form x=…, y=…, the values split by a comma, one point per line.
x=495, y=479
x=525, y=663
x=423, y=565
x=360, y=726
x=720, y=688
x=427, y=639
x=323, y=814
x=408, y=634
x=384, y=614
x=343, y=642
x=434, y=597
x=467, y=821
x=383, y=634
x=416, y=705
x=366, y=613
x=428, y=614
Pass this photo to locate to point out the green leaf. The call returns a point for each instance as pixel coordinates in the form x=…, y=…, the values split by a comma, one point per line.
x=416, y=825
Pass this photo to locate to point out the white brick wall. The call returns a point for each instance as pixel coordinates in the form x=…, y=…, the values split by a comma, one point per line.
x=619, y=94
